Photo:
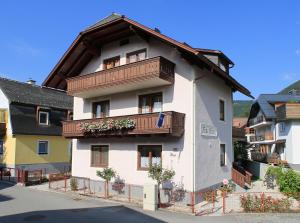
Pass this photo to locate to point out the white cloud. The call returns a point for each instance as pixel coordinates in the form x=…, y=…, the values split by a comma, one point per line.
x=297, y=52
x=289, y=76
x=23, y=48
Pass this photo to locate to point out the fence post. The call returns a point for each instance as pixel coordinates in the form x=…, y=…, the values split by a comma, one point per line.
x=129, y=192
x=263, y=202
x=224, y=202
x=65, y=181
x=192, y=194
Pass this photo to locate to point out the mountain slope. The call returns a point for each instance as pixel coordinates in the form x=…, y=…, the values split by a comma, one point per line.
x=241, y=108
x=295, y=85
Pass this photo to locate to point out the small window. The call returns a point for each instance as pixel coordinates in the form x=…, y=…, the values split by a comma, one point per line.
x=111, y=62
x=70, y=115
x=148, y=155
x=222, y=110
x=222, y=155
x=43, y=118
x=1, y=147
x=136, y=56
x=99, y=156
x=43, y=147
x=282, y=127
x=150, y=103
x=101, y=109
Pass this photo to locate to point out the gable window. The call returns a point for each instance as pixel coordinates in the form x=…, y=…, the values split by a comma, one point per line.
x=101, y=109
x=43, y=147
x=99, y=156
x=136, y=56
x=150, y=103
x=222, y=155
x=111, y=62
x=1, y=147
x=148, y=155
x=43, y=118
x=222, y=109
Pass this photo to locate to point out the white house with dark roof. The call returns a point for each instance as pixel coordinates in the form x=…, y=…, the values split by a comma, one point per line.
x=275, y=123
x=143, y=98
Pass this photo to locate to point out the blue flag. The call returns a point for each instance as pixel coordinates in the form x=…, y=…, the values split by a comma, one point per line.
x=160, y=120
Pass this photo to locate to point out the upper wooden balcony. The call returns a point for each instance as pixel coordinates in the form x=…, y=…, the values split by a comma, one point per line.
x=2, y=122
x=288, y=111
x=145, y=124
x=148, y=73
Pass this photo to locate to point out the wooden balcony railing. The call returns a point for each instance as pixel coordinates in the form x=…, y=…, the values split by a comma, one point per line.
x=145, y=124
x=2, y=128
x=259, y=138
x=288, y=111
x=242, y=178
x=151, y=72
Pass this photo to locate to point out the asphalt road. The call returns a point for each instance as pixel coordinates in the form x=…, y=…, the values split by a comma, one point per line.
x=19, y=204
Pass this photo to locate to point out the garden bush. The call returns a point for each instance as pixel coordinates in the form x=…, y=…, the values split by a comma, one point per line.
x=254, y=203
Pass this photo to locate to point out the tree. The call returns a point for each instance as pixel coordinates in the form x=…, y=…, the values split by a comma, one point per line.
x=107, y=174
x=160, y=175
x=240, y=151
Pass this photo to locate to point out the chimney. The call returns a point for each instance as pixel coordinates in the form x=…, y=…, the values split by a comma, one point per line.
x=31, y=82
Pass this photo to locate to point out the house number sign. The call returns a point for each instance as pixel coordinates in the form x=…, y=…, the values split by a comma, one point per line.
x=208, y=130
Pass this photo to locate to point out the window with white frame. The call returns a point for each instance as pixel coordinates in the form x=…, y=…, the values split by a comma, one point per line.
x=222, y=155
x=1, y=147
x=43, y=147
x=222, y=109
x=43, y=118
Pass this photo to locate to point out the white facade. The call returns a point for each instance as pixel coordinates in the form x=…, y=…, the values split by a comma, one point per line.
x=194, y=157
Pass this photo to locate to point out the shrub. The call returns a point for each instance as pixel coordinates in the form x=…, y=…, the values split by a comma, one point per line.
x=74, y=184
x=254, y=203
x=107, y=174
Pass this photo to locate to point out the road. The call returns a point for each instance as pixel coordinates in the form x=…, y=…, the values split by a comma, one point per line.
x=20, y=204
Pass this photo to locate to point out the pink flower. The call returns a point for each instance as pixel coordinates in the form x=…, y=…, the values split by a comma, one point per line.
x=225, y=182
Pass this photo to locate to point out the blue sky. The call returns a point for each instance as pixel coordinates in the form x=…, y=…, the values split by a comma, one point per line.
x=261, y=37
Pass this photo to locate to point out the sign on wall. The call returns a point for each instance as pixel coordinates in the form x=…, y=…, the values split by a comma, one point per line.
x=208, y=130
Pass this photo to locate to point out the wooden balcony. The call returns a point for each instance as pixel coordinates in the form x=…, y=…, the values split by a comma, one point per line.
x=288, y=111
x=268, y=136
x=148, y=73
x=2, y=129
x=145, y=124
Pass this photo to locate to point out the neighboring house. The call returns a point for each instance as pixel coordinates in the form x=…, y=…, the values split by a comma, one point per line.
x=239, y=129
x=172, y=103
x=31, y=129
x=275, y=122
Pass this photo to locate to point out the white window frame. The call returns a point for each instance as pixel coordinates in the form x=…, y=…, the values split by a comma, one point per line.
x=38, y=147
x=225, y=107
x=225, y=154
x=47, y=114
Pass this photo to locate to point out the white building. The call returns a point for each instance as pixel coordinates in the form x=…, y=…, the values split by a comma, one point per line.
x=275, y=123
x=119, y=69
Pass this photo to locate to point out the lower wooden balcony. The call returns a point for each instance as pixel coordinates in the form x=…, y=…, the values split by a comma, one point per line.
x=144, y=124
x=2, y=129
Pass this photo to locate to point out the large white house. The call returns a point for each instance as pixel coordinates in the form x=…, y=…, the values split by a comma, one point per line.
x=275, y=123
x=141, y=97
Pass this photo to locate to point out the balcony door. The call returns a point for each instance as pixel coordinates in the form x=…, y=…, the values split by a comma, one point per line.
x=150, y=103
x=101, y=109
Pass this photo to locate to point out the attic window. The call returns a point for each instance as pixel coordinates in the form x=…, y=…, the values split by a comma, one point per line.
x=43, y=118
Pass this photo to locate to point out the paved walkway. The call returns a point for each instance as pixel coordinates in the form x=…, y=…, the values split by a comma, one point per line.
x=19, y=204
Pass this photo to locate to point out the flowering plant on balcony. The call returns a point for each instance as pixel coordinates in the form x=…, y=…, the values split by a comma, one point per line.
x=107, y=125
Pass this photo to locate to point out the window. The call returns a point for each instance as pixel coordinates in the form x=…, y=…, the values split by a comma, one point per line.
x=222, y=155
x=1, y=147
x=99, y=156
x=148, y=155
x=70, y=115
x=101, y=109
x=282, y=127
x=136, y=56
x=111, y=62
x=43, y=118
x=150, y=103
x=43, y=147
x=222, y=110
